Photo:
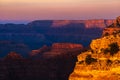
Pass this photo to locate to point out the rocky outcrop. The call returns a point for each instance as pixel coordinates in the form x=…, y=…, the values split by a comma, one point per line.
x=102, y=43
x=113, y=28
x=116, y=23
x=109, y=31
x=101, y=61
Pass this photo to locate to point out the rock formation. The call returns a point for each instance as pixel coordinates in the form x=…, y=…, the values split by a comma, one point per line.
x=101, y=61
x=13, y=55
x=57, y=49
x=99, y=23
x=40, y=51
x=113, y=28
x=102, y=43
x=116, y=22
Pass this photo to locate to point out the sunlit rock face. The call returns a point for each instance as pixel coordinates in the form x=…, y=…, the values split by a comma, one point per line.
x=101, y=61
x=113, y=28
x=109, y=31
x=102, y=43
x=101, y=23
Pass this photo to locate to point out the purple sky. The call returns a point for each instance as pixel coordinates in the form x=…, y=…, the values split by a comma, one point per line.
x=27, y=10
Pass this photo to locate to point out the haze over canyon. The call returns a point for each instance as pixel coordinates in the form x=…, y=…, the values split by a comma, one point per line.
x=23, y=38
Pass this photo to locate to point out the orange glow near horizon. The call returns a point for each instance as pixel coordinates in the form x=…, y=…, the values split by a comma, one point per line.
x=58, y=9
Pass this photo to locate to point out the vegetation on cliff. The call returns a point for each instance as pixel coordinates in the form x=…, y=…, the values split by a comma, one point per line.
x=102, y=60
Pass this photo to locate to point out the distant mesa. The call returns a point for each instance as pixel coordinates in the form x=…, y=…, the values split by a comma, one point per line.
x=99, y=23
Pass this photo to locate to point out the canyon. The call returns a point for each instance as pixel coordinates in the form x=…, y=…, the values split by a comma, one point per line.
x=22, y=38
x=45, y=49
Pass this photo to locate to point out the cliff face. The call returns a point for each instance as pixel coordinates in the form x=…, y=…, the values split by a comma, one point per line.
x=101, y=23
x=101, y=61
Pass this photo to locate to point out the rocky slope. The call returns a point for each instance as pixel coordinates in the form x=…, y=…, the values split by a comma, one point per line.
x=102, y=60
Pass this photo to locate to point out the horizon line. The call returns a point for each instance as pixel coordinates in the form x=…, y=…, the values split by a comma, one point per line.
x=28, y=21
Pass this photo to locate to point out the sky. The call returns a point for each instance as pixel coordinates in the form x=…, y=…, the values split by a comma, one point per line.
x=27, y=10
